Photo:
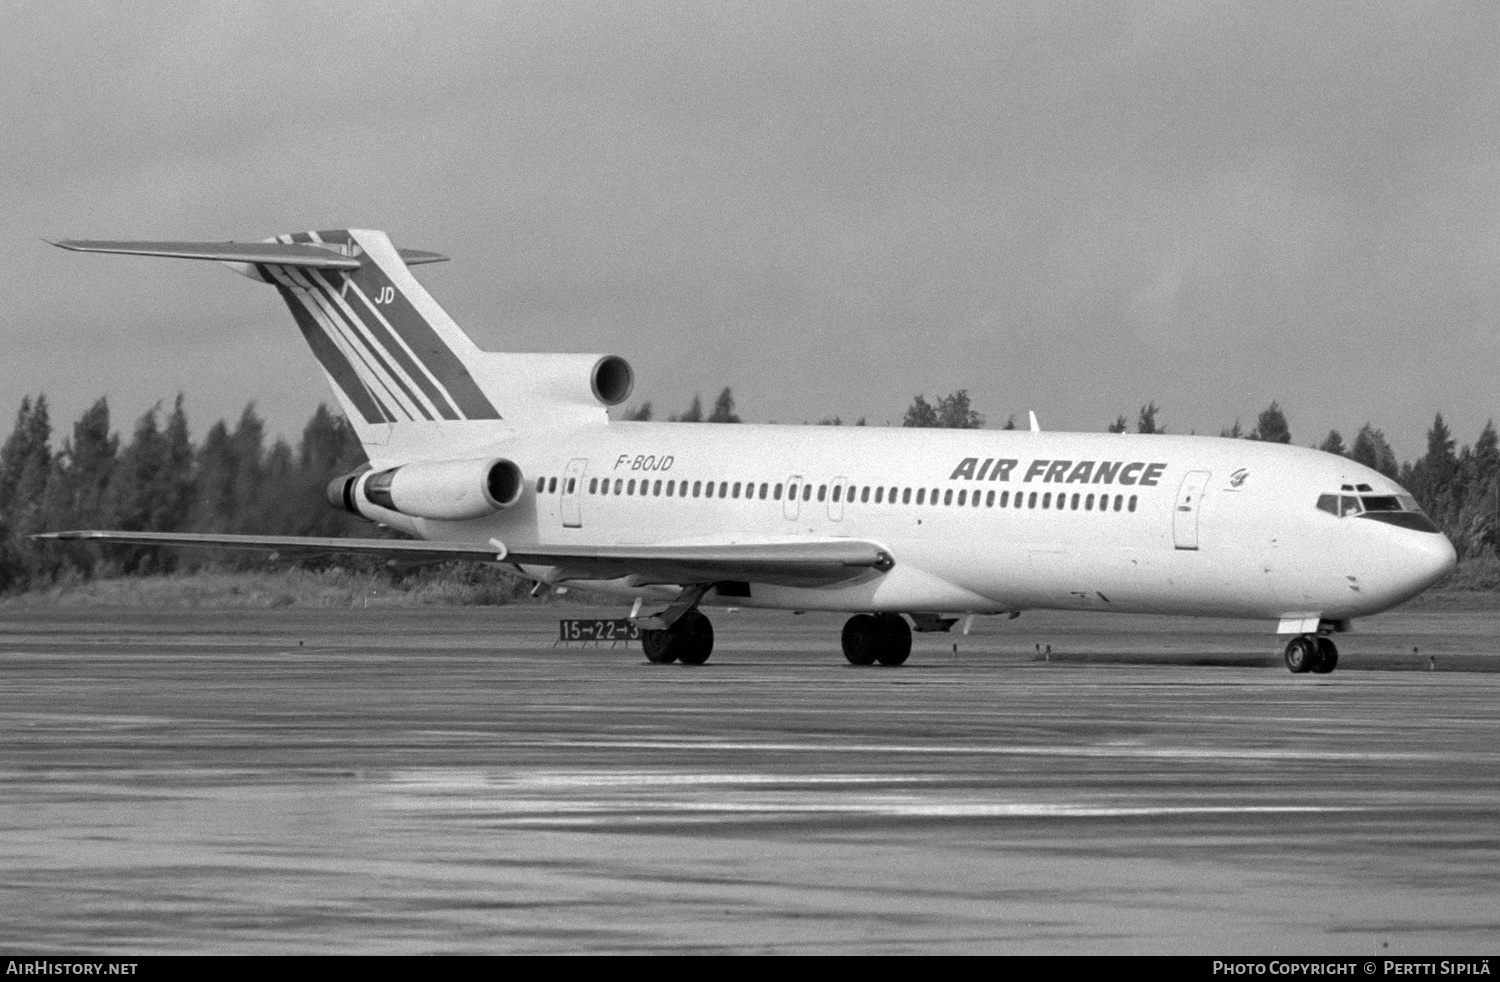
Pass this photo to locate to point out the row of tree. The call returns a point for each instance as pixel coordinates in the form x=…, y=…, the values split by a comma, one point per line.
x=723, y=412
x=159, y=480
x=952, y=410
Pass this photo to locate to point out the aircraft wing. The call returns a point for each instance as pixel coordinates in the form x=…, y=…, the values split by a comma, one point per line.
x=787, y=562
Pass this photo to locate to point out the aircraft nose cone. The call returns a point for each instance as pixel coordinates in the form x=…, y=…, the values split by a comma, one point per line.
x=1429, y=558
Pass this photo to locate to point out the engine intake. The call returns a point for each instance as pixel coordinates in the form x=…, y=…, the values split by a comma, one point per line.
x=451, y=490
x=612, y=379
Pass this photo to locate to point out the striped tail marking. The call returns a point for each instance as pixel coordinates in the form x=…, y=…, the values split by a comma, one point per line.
x=379, y=350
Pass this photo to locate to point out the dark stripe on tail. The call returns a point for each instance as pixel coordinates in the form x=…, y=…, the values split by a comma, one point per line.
x=331, y=358
x=367, y=365
x=386, y=342
x=437, y=370
x=375, y=351
x=445, y=366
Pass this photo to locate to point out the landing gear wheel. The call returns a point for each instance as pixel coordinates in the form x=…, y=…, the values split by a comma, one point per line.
x=1301, y=654
x=897, y=646
x=697, y=638
x=660, y=647
x=862, y=639
x=1327, y=658
x=869, y=638
x=689, y=640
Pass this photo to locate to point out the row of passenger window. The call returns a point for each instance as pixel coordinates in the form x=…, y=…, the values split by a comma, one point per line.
x=861, y=494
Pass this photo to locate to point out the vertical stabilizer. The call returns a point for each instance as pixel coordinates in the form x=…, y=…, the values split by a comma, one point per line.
x=390, y=351
x=411, y=382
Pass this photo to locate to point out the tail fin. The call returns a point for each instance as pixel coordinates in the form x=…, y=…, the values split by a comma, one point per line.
x=390, y=351
x=392, y=354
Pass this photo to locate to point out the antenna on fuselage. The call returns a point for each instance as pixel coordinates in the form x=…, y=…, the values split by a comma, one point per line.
x=1035, y=426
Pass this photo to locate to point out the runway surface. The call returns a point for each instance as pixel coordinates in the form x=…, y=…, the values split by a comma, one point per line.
x=438, y=780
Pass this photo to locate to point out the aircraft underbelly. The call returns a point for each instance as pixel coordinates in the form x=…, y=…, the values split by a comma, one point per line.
x=1137, y=580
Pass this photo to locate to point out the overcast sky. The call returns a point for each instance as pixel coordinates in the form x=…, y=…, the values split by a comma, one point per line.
x=1067, y=207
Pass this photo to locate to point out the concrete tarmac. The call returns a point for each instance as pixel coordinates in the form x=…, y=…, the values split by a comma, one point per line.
x=445, y=780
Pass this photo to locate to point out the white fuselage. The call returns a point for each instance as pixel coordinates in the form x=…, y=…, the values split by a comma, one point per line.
x=501, y=451
x=1147, y=524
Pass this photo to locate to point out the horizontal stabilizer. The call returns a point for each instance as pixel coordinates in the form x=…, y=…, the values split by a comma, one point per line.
x=277, y=253
x=416, y=257
x=792, y=562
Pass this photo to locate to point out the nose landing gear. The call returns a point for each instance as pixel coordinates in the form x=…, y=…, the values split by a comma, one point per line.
x=1311, y=653
x=870, y=638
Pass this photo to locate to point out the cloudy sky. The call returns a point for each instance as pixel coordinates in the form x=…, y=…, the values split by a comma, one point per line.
x=1067, y=207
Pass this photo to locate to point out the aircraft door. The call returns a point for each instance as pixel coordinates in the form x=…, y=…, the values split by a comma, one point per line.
x=1189, y=504
x=791, y=505
x=836, y=498
x=572, y=492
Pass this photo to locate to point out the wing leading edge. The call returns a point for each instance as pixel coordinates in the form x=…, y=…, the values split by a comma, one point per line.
x=792, y=562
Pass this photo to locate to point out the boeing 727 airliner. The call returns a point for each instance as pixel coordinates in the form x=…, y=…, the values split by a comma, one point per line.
x=512, y=459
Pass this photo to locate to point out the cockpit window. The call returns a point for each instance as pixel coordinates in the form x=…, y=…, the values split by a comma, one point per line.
x=1414, y=520
x=1340, y=505
x=1393, y=509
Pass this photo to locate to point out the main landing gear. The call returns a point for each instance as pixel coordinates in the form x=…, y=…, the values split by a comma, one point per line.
x=868, y=638
x=884, y=638
x=690, y=640
x=1311, y=653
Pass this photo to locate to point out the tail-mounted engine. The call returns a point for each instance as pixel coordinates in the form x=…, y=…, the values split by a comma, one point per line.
x=451, y=490
x=611, y=380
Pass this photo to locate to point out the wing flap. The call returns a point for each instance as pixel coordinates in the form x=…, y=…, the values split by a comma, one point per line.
x=792, y=562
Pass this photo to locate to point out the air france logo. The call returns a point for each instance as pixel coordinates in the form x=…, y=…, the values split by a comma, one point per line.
x=1061, y=471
